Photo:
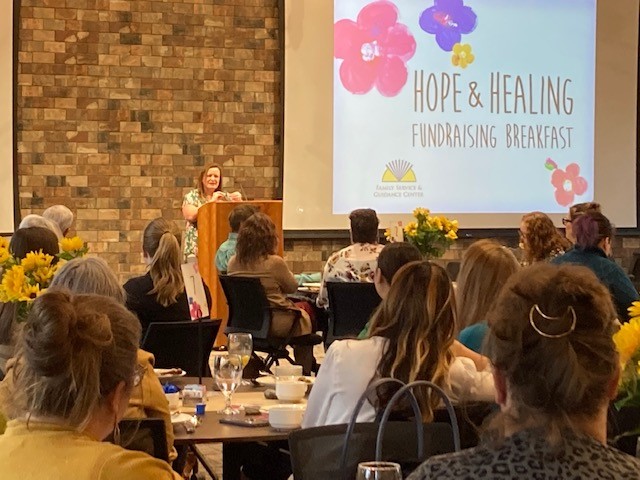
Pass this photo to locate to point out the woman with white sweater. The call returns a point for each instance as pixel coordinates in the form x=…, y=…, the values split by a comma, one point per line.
x=411, y=338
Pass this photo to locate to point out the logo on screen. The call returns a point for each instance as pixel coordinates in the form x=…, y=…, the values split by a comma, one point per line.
x=399, y=171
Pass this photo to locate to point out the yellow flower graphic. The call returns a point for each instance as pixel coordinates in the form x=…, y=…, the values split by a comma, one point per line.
x=35, y=260
x=71, y=244
x=462, y=55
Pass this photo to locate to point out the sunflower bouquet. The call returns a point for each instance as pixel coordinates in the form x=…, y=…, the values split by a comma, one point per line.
x=23, y=280
x=627, y=341
x=431, y=234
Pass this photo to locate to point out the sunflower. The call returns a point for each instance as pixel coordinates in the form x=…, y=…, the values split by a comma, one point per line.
x=36, y=260
x=13, y=282
x=72, y=244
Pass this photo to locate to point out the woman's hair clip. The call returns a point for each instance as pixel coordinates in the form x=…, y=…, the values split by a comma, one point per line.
x=536, y=309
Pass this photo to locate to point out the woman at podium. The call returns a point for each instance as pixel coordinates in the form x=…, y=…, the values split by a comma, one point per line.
x=208, y=189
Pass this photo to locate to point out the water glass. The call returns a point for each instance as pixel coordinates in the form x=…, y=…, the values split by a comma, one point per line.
x=379, y=471
x=227, y=373
x=240, y=344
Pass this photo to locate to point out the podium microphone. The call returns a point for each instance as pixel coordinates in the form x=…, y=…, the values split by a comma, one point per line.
x=244, y=195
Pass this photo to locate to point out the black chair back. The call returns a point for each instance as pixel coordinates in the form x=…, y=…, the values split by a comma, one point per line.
x=350, y=307
x=249, y=309
x=184, y=345
x=146, y=435
x=316, y=452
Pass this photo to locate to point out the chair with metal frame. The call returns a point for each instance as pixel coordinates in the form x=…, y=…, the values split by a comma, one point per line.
x=251, y=312
x=350, y=307
x=184, y=345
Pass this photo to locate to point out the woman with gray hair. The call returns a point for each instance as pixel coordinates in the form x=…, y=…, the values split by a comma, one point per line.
x=33, y=220
x=61, y=216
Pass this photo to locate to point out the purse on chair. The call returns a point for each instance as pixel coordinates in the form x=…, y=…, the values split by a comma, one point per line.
x=333, y=452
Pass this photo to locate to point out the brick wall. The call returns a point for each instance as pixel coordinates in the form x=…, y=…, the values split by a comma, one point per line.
x=121, y=103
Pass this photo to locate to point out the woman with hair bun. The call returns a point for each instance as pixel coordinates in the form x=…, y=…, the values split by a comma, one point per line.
x=556, y=369
x=159, y=295
x=147, y=400
x=75, y=369
x=593, y=233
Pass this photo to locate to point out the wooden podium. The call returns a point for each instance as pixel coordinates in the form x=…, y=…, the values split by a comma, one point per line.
x=213, y=230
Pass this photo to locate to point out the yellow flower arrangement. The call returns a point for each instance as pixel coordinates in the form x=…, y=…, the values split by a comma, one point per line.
x=71, y=248
x=24, y=280
x=627, y=341
x=431, y=234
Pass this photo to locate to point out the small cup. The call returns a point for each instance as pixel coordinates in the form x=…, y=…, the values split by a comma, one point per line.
x=290, y=390
x=174, y=401
x=288, y=372
x=286, y=417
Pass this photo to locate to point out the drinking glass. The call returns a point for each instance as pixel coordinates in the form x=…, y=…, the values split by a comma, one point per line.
x=240, y=344
x=227, y=373
x=379, y=471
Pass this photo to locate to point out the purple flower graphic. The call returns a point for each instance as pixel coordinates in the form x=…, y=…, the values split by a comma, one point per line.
x=448, y=20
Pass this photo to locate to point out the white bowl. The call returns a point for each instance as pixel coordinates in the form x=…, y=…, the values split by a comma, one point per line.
x=286, y=417
x=290, y=390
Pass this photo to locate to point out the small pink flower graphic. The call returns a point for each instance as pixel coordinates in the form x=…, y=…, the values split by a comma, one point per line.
x=568, y=183
x=374, y=50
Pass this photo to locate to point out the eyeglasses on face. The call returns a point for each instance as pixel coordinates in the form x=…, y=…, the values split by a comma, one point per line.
x=137, y=375
x=566, y=220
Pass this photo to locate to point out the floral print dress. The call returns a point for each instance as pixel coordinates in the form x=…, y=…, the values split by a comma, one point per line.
x=191, y=230
x=355, y=263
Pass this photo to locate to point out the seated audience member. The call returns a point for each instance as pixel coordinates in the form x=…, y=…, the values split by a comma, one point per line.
x=540, y=240
x=33, y=220
x=556, y=370
x=358, y=261
x=93, y=275
x=228, y=247
x=256, y=257
x=159, y=295
x=594, y=233
x=485, y=268
x=574, y=212
x=392, y=257
x=415, y=321
x=75, y=369
x=61, y=216
x=23, y=241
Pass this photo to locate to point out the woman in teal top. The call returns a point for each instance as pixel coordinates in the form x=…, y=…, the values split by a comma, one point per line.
x=593, y=233
x=485, y=268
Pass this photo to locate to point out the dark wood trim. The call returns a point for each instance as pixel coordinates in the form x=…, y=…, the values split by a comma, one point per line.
x=280, y=149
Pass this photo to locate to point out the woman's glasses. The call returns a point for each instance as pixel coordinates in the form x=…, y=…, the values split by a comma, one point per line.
x=138, y=374
x=566, y=220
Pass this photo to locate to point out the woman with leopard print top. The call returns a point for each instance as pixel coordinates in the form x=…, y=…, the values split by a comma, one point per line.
x=555, y=369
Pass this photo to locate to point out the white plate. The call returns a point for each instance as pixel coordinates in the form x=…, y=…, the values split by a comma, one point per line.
x=180, y=418
x=300, y=406
x=270, y=380
x=165, y=375
x=312, y=284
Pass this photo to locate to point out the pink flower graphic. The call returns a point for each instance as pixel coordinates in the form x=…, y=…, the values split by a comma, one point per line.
x=374, y=49
x=568, y=183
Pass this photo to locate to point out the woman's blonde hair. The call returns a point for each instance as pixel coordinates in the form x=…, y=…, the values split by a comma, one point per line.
x=550, y=336
x=161, y=242
x=72, y=352
x=542, y=239
x=486, y=266
x=418, y=319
